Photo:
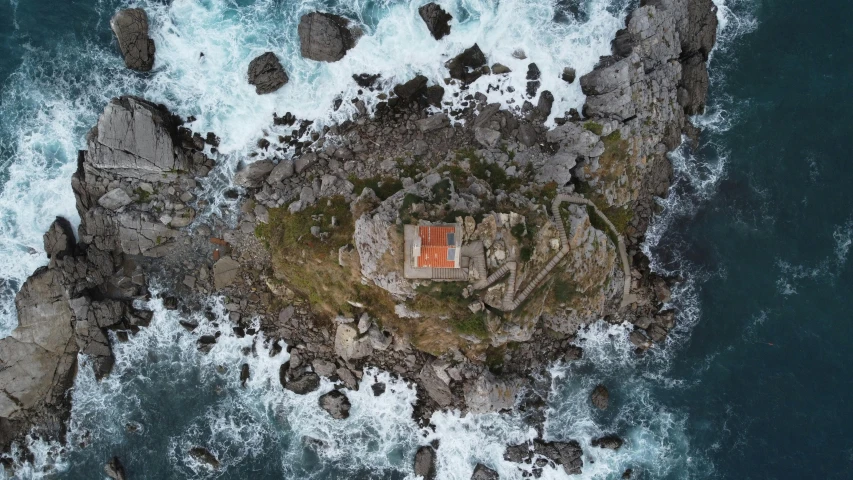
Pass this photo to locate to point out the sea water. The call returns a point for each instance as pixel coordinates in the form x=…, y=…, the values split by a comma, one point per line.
x=751, y=384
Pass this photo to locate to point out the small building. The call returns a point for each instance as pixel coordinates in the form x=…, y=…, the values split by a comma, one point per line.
x=433, y=252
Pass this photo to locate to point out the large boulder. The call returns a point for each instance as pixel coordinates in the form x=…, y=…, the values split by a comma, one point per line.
x=611, y=442
x=266, y=73
x=302, y=384
x=489, y=394
x=482, y=472
x=425, y=463
x=349, y=345
x=254, y=174
x=37, y=361
x=600, y=397
x=336, y=403
x=467, y=65
x=324, y=37
x=225, y=272
x=436, y=19
x=131, y=29
x=59, y=239
x=114, y=469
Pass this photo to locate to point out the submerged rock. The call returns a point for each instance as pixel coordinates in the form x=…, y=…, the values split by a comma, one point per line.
x=204, y=455
x=324, y=37
x=267, y=74
x=114, y=469
x=336, y=403
x=600, y=397
x=131, y=29
x=611, y=442
x=436, y=20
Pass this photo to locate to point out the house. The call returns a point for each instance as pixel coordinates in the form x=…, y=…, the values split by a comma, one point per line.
x=434, y=252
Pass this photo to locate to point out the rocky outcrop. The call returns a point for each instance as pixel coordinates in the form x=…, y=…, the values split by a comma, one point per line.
x=489, y=394
x=325, y=37
x=568, y=454
x=610, y=442
x=205, y=456
x=482, y=472
x=131, y=29
x=336, y=404
x=467, y=65
x=266, y=73
x=114, y=469
x=425, y=463
x=600, y=397
x=436, y=19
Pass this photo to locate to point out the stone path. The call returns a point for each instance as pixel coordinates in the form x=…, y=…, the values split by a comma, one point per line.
x=511, y=301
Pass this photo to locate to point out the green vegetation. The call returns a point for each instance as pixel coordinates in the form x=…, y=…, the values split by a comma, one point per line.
x=143, y=195
x=384, y=187
x=472, y=325
x=406, y=216
x=441, y=191
x=594, y=127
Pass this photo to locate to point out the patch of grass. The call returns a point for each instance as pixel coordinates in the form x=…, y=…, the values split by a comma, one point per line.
x=143, y=195
x=564, y=290
x=620, y=217
x=384, y=187
x=405, y=213
x=409, y=170
x=526, y=253
x=441, y=191
x=472, y=325
x=594, y=127
x=598, y=224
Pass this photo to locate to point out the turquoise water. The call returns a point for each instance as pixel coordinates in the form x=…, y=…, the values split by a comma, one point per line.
x=754, y=384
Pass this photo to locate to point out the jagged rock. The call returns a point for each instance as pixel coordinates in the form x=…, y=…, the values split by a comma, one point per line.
x=378, y=339
x=131, y=29
x=366, y=80
x=434, y=95
x=324, y=37
x=59, y=239
x=600, y=397
x=37, y=361
x=568, y=454
x=527, y=135
x=482, y=472
x=378, y=388
x=411, y=90
x=266, y=73
x=425, y=463
x=253, y=175
x=543, y=106
x=347, y=378
x=90, y=320
x=489, y=394
x=114, y=469
x=568, y=75
x=657, y=333
x=323, y=367
x=487, y=137
x=225, y=271
x=244, y=374
x=611, y=442
x=115, y=199
x=639, y=340
x=435, y=387
x=433, y=122
x=204, y=455
x=466, y=65
x=282, y=171
x=436, y=19
x=349, y=346
x=305, y=383
x=336, y=403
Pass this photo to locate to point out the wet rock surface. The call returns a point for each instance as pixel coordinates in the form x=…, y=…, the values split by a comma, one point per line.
x=130, y=27
x=436, y=19
x=336, y=403
x=266, y=73
x=325, y=37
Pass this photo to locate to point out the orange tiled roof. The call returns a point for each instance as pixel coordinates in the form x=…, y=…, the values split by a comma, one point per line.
x=435, y=257
x=435, y=236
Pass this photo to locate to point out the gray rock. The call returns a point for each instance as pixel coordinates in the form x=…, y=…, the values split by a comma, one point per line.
x=487, y=137
x=347, y=378
x=378, y=389
x=225, y=271
x=114, y=469
x=254, y=174
x=266, y=73
x=611, y=442
x=466, y=65
x=436, y=19
x=37, y=361
x=336, y=403
x=303, y=161
x=526, y=135
x=568, y=454
x=115, y=199
x=323, y=367
x=500, y=69
x=568, y=75
x=282, y=171
x=324, y=37
x=305, y=383
x=488, y=394
x=600, y=397
x=639, y=340
x=433, y=122
x=349, y=346
x=482, y=472
x=59, y=239
x=131, y=29
x=435, y=387
x=425, y=463
x=205, y=456
x=573, y=352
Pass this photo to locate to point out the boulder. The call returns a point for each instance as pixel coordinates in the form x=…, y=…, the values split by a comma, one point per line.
x=487, y=137
x=436, y=19
x=378, y=388
x=466, y=65
x=225, y=271
x=324, y=37
x=304, y=383
x=114, y=469
x=600, y=397
x=482, y=472
x=366, y=80
x=500, y=69
x=433, y=122
x=348, y=344
x=266, y=73
x=488, y=394
x=254, y=174
x=434, y=95
x=611, y=442
x=568, y=75
x=573, y=353
x=437, y=389
x=59, y=239
x=323, y=367
x=425, y=463
x=568, y=454
x=205, y=456
x=244, y=374
x=115, y=199
x=336, y=403
x=282, y=171
x=130, y=27
x=411, y=90
x=546, y=101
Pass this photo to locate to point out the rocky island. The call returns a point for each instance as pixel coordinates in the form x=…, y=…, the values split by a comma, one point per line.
x=540, y=230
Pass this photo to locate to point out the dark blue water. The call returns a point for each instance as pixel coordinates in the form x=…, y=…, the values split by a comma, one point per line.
x=755, y=385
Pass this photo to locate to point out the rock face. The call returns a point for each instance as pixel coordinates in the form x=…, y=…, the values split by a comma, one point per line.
x=325, y=37
x=266, y=73
x=425, y=463
x=38, y=360
x=336, y=403
x=131, y=29
x=436, y=19
x=489, y=394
